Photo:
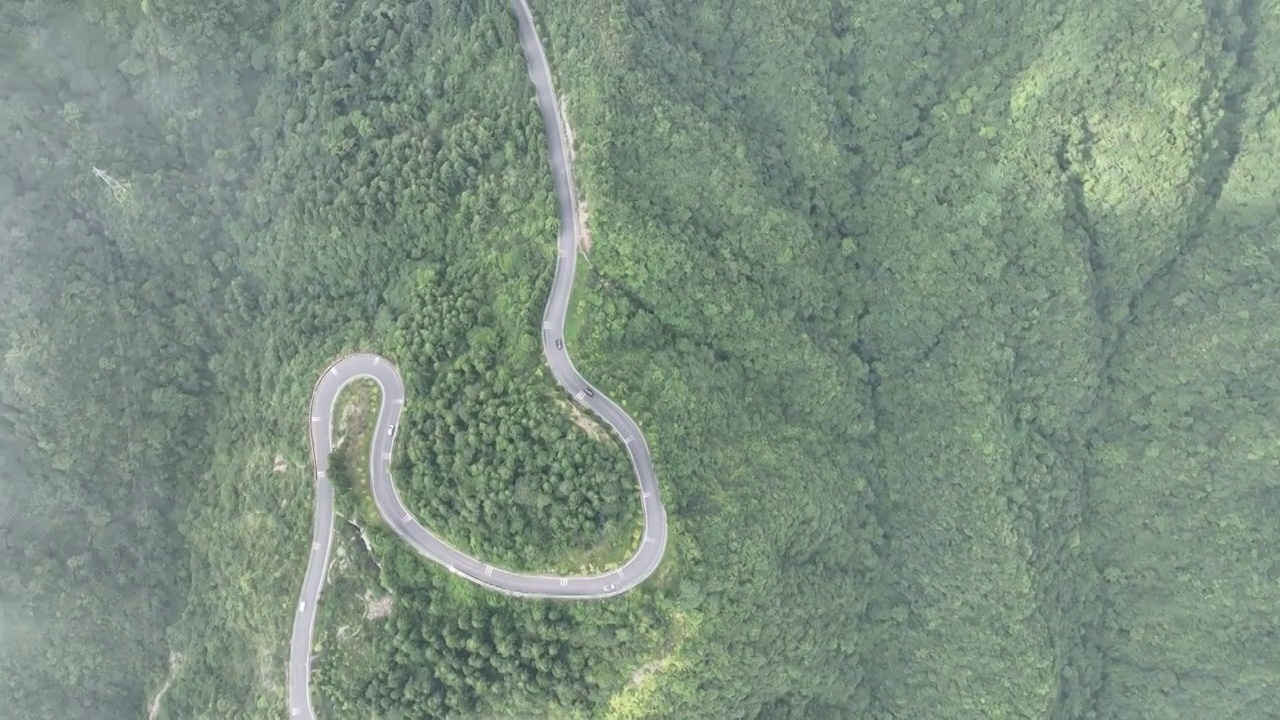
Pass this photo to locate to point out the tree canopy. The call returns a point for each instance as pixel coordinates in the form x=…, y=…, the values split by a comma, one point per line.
x=950, y=327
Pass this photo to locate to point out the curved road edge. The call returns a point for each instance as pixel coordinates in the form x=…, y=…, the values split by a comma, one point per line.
x=647, y=556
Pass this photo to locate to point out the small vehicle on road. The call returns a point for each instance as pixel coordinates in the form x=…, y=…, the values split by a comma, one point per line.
x=589, y=392
x=610, y=587
x=391, y=431
x=559, y=343
x=302, y=606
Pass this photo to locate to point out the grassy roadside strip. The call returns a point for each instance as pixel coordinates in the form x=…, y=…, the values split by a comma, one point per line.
x=579, y=301
x=349, y=463
x=355, y=595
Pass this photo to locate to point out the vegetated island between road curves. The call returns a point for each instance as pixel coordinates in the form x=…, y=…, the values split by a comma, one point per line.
x=642, y=563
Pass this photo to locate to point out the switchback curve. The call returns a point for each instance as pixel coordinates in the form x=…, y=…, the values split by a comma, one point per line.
x=647, y=556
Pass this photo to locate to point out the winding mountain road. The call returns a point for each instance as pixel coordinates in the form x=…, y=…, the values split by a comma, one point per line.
x=634, y=571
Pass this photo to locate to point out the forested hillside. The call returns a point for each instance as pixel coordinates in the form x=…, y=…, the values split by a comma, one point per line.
x=115, y=278
x=1011, y=272
x=267, y=199
x=951, y=326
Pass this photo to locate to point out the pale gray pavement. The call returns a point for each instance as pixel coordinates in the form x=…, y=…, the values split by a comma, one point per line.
x=634, y=571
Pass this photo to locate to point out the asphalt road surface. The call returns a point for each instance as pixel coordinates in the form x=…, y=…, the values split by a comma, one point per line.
x=634, y=571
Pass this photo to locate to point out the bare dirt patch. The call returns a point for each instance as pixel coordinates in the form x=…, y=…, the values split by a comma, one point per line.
x=571, y=145
x=153, y=707
x=268, y=674
x=588, y=425
x=643, y=672
x=356, y=405
x=279, y=465
x=375, y=608
x=584, y=232
x=364, y=540
x=571, y=140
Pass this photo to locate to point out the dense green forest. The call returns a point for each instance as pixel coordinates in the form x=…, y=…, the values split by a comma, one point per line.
x=951, y=327
x=1009, y=274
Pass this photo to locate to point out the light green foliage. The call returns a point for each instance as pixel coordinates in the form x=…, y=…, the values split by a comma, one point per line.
x=1188, y=456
